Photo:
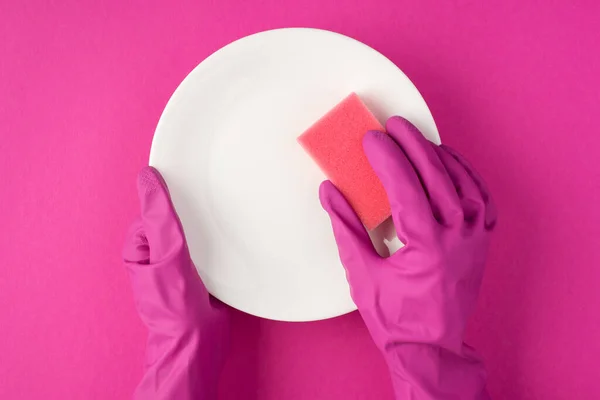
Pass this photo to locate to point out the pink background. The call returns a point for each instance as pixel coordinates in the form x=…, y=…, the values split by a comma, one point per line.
x=515, y=85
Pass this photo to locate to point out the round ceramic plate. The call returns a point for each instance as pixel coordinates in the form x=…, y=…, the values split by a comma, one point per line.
x=246, y=192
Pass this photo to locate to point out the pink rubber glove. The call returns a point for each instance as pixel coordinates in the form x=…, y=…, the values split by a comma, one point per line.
x=416, y=303
x=188, y=329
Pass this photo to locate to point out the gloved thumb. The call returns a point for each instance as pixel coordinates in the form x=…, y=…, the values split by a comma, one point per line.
x=160, y=223
x=354, y=244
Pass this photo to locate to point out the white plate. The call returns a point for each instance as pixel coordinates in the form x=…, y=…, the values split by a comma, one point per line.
x=246, y=192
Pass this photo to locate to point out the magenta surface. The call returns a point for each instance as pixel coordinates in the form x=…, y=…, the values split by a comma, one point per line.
x=512, y=85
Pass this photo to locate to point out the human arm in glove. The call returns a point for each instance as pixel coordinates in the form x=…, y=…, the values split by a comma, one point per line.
x=188, y=330
x=416, y=303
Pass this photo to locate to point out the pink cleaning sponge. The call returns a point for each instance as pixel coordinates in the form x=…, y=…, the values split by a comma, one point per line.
x=335, y=144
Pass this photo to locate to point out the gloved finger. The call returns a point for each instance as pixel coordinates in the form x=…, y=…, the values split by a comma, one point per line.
x=159, y=219
x=491, y=213
x=354, y=244
x=470, y=197
x=136, y=249
x=445, y=203
x=408, y=201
